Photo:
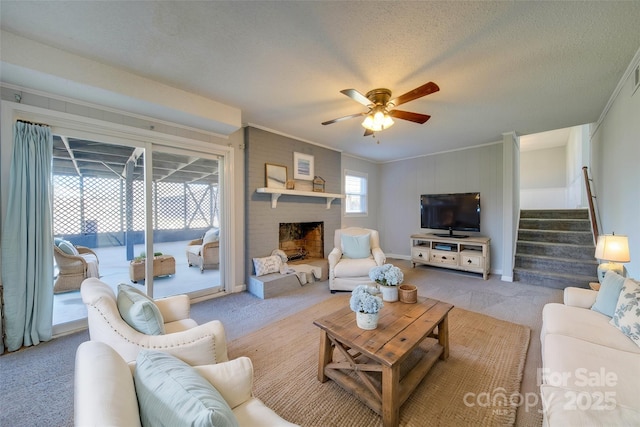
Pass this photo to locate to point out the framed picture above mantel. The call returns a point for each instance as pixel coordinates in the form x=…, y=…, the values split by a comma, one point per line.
x=302, y=166
x=275, y=175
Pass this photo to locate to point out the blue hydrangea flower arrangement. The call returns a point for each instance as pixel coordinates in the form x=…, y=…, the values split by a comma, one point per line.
x=362, y=300
x=386, y=275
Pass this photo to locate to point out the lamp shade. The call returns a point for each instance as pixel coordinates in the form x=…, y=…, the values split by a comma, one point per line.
x=613, y=248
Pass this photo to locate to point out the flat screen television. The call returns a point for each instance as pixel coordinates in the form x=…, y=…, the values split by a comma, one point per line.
x=452, y=212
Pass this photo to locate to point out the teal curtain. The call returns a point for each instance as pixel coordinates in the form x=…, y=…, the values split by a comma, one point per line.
x=27, y=239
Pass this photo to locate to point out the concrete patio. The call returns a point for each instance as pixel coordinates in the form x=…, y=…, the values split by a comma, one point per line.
x=114, y=269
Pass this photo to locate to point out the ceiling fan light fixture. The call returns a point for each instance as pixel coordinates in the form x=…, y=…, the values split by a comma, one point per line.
x=387, y=122
x=367, y=123
x=377, y=121
x=379, y=103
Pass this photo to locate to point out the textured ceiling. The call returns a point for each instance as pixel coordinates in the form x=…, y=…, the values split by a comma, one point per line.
x=501, y=66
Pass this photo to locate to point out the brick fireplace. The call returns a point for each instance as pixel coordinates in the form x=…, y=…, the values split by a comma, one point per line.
x=302, y=240
x=262, y=222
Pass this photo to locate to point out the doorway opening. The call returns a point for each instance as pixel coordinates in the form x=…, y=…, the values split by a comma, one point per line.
x=551, y=168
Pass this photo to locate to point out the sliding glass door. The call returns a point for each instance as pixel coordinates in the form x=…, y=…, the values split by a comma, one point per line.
x=144, y=211
x=186, y=208
x=95, y=189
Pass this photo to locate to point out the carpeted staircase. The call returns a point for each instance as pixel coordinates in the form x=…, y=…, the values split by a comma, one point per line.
x=555, y=249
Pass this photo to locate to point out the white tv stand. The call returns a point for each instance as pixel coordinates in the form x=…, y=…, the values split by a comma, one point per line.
x=467, y=254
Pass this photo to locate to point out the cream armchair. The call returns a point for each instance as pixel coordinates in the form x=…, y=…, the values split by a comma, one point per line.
x=352, y=257
x=183, y=338
x=105, y=393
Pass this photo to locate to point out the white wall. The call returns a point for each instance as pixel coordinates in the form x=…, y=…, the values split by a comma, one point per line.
x=510, y=202
x=543, y=178
x=552, y=177
x=577, y=157
x=615, y=166
x=544, y=168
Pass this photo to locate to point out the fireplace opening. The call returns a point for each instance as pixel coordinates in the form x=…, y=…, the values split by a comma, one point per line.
x=302, y=240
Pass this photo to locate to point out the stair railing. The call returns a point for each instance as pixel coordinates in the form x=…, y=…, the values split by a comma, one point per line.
x=590, y=197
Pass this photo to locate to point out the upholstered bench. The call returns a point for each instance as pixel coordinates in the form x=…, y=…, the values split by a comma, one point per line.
x=272, y=284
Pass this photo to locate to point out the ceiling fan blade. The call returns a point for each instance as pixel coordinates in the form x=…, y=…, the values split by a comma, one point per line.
x=408, y=115
x=339, y=119
x=368, y=132
x=425, y=89
x=357, y=96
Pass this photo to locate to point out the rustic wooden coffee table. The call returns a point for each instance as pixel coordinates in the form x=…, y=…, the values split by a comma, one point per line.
x=401, y=328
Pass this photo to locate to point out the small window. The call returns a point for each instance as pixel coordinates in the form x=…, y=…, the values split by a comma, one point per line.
x=355, y=189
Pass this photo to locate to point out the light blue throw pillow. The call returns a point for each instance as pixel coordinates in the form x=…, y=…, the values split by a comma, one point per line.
x=608, y=294
x=67, y=247
x=139, y=311
x=356, y=246
x=172, y=393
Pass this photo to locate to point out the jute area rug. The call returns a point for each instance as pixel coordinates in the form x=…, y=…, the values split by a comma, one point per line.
x=484, y=369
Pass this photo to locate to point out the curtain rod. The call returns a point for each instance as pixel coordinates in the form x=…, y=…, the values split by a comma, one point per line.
x=32, y=123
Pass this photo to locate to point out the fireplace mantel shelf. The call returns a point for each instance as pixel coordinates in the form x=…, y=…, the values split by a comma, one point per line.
x=277, y=192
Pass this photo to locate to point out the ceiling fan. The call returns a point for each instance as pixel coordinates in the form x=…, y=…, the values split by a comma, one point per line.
x=382, y=107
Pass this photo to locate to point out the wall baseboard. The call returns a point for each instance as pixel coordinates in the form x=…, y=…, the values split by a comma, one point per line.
x=397, y=256
x=67, y=328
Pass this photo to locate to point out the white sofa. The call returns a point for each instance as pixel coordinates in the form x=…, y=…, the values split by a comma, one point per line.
x=184, y=338
x=345, y=273
x=591, y=370
x=105, y=393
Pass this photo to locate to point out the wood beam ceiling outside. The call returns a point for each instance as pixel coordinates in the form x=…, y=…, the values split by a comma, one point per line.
x=90, y=158
x=65, y=141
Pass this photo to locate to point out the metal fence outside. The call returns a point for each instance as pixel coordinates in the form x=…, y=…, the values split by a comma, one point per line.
x=92, y=211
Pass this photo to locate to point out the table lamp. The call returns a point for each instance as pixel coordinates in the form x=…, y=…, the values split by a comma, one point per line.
x=615, y=250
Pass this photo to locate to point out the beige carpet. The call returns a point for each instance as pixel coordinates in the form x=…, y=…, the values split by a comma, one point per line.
x=486, y=362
